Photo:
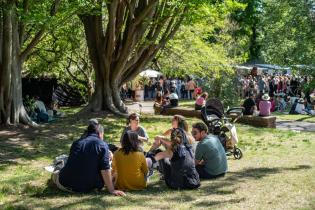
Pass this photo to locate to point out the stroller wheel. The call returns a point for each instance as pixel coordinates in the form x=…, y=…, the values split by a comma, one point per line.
x=237, y=153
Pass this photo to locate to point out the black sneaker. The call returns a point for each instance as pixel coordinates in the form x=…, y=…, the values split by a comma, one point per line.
x=150, y=173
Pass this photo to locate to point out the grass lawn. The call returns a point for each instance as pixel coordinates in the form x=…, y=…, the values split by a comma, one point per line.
x=187, y=103
x=276, y=172
x=295, y=117
x=280, y=115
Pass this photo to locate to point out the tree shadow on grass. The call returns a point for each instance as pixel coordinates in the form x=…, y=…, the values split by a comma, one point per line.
x=53, y=139
x=305, y=118
x=216, y=203
x=48, y=140
x=226, y=186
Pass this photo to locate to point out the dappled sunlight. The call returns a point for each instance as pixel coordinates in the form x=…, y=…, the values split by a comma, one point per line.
x=24, y=153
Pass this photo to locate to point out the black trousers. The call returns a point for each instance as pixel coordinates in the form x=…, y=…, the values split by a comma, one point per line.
x=205, y=175
x=165, y=169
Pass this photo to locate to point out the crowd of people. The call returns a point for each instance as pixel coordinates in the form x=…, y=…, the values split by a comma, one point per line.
x=181, y=157
x=265, y=94
x=184, y=88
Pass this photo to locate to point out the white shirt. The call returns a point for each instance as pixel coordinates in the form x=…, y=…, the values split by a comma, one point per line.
x=300, y=108
x=41, y=106
x=173, y=96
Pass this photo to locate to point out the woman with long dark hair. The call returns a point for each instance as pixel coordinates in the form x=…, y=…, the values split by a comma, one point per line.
x=130, y=167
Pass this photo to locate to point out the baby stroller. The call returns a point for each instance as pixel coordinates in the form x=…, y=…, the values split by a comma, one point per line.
x=218, y=124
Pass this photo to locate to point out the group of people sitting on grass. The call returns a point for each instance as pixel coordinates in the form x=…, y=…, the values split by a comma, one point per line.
x=170, y=99
x=263, y=104
x=41, y=113
x=181, y=158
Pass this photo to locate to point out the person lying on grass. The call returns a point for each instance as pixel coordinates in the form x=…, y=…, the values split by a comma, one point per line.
x=176, y=163
x=88, y=165
x=130, y=168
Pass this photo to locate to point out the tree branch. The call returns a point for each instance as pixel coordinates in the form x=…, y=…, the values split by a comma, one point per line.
x=32, y=44
x=133, y=35
x=144, y=12
x=169, y=34
x=111, y=29
x=21, y=24
x=148, y=55
x=40, y=33
x=135, y=65
x=70, y=73
x=95, y=40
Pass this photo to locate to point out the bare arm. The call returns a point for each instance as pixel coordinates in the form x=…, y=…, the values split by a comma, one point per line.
x=107, y=177
x=158, y=140
x=166, y=143
x=199, y=162
x=162, y=155
x=168, y=132
x=143, y=139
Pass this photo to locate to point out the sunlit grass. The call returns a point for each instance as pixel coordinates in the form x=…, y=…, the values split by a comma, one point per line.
x=294, y=117
x=276, y=172
x=280, y=115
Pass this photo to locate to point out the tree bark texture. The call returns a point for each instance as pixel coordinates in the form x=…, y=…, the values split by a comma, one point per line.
x=123, y=40
x=12, y=57
x=11, y=105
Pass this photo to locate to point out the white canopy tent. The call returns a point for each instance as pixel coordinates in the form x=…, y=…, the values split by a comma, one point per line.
x=150, y=73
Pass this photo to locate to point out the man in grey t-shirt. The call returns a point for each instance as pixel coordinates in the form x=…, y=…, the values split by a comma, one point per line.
x=210, y=157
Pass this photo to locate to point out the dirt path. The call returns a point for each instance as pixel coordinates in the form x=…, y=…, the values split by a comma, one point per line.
x=144, y=106
x=147, y=107
x=296, y=125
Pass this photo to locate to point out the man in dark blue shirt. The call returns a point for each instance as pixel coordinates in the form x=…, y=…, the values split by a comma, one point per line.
x=88, y=164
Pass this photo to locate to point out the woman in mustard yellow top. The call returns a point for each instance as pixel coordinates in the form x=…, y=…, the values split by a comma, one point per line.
x=129, y=164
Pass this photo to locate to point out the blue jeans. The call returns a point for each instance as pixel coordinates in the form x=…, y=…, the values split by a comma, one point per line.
x=152, y=94
x=190, y=94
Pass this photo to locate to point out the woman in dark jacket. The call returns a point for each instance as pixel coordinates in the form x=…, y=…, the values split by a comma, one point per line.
x=177, y=163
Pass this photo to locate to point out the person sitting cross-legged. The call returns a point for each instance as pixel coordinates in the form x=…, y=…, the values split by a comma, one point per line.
x=130, y=167
x=210, y=157
x=176, y=163
x=133, y=124
x=88, y=164
x=178, y=121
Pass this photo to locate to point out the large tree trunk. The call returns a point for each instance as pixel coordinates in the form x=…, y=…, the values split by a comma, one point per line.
x=12, y=110
x=135, y=31
x=103, y=97
x=12, y=57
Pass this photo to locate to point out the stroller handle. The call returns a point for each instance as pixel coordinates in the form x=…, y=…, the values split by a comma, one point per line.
x=215, y=121
x=236, y=110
